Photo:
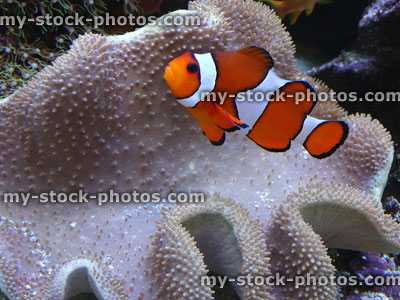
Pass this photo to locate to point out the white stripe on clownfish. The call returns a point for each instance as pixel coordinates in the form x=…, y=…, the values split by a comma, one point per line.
x=309, y=125
x=249, y=111
x=208, y=77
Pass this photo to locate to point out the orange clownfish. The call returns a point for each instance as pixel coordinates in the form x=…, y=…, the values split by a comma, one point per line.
x=295, y=7
x=273, y=123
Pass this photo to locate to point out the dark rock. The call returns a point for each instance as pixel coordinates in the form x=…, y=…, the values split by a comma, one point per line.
x=392, y=207
x=379, y=29
x=353, y=71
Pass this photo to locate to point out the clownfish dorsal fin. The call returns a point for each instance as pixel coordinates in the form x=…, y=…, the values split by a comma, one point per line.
x=258, y=53
x=241, y=70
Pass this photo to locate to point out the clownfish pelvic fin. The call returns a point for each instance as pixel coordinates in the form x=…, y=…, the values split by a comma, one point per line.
x=224, y=120
x=214, y=134
x=214, y=121
x=218, y=115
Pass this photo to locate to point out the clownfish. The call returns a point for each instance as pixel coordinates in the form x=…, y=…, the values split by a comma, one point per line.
x=272, y=124
x=295, y=7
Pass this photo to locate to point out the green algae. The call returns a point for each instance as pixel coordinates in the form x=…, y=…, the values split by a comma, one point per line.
x=26, y=50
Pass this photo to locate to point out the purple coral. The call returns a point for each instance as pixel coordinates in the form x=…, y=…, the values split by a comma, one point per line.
x=372, y=265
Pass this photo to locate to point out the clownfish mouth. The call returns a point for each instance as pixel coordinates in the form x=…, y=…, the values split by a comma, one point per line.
x=169, y=76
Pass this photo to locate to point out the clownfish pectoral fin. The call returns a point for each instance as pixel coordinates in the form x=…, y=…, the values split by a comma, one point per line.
x=214, y=134
x=326, y=138
x=224, y=120
x=283, y=117
x=229, y=105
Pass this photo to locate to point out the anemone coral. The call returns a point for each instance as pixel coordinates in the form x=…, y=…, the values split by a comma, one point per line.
x=101, y=118
x=222, y=238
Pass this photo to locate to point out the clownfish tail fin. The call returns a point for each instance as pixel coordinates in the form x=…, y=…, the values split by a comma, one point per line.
x=326, y=138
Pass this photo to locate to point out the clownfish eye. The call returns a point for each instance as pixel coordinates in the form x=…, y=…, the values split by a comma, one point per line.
x=192, y=68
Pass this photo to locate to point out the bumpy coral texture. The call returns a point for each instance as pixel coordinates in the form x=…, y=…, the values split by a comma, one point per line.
x=219, y=232
x=316, y=218
x=101, y=117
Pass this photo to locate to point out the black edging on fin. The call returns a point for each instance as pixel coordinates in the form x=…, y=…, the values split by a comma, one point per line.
x=234, y=128
x=334, y=148
x=271, y=149
x=265, y=51
x=220, y=142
